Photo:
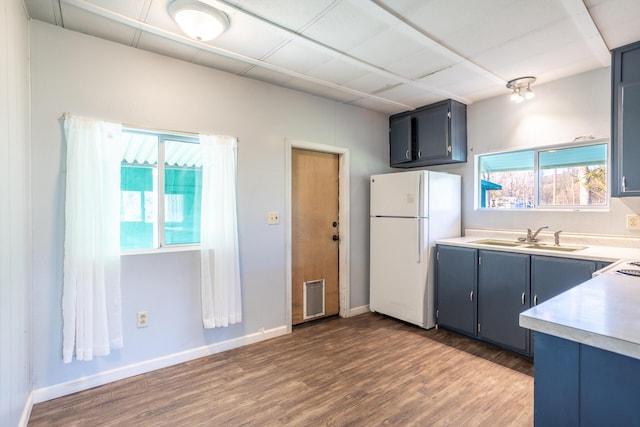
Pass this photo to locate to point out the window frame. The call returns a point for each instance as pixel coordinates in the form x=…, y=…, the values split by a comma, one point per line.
x=536, y=178
x=159, y=224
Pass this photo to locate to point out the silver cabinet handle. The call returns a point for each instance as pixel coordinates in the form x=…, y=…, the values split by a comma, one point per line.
x=406, y=155
x=471, y=296
x=522, y=298
x=419, y=154
x=535, y=300
x=624, y=184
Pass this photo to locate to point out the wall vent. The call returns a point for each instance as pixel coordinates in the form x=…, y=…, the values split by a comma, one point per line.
x=313, y=299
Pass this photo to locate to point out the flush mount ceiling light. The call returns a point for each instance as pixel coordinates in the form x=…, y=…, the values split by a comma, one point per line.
x=521, y=88
x=198, y=20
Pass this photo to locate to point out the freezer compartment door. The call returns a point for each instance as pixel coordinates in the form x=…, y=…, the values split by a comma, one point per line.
x=399, y=194
x=399, y=267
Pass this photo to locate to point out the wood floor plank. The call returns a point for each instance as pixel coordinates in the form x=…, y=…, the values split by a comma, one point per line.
x=363, y=371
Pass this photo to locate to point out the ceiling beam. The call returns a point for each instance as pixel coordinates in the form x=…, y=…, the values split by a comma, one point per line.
x=589, y=30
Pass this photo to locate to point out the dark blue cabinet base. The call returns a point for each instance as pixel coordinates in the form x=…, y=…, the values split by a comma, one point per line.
x=580, y=385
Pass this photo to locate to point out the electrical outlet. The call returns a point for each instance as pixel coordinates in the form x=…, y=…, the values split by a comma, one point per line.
x=143, y=319
x=273, y=218
x=633, y=222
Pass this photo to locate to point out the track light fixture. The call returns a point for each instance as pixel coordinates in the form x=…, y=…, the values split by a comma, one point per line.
x=198, y=20
x=521, y=88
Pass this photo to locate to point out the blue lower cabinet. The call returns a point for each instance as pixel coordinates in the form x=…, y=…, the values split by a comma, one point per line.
x=579, y=385
x=503, y=293
x=456, y=272
x=556, y=385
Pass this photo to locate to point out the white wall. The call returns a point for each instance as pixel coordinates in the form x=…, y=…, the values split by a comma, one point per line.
x=561, y=111
x=87, y=76
x=15, y=212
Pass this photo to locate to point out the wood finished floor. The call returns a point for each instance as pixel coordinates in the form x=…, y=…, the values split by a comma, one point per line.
x=367, y=370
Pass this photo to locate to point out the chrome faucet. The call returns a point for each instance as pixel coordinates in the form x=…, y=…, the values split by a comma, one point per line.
x=531, y=237
x=556, y=237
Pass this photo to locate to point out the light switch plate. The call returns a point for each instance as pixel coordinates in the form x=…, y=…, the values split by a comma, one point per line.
x=273, y=218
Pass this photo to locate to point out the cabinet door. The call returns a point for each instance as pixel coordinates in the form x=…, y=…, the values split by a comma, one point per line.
x=625, y=127
x=551, y=276
x=629, y=139
x=503, y=293
x=400, y=137
x=456, y=288
x=432, y=133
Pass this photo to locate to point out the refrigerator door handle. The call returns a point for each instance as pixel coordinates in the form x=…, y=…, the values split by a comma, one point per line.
x=419, y=238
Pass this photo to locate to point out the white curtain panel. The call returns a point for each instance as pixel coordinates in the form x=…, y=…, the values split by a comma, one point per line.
x=219, y=254
x=91, y=302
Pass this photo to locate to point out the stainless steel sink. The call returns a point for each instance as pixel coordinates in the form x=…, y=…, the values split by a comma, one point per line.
x=525, y=245
x=562, y=248
x=494, y=242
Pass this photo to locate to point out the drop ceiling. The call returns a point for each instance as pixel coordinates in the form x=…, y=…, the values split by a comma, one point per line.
x=384, y=55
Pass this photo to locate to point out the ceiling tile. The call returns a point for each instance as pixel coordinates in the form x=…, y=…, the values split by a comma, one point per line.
x=410, y=95
x=529, y=47
x=298, y=56
x=294, y=15
x=135, y=9
x=371, y=83
x=617, y=20
x=248, y=37
x=337, y=71
x=383, y=107
x=44, y=10
x=419, y=64
x=387, y=48
x=79, y=20
x=515, y=20
x=347, y=25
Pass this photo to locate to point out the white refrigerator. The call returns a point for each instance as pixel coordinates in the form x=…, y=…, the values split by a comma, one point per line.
x=409, y=212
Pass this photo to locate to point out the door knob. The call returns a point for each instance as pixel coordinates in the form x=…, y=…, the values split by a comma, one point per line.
x=335, y=238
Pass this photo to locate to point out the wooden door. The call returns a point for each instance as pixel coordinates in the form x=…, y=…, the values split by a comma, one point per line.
x=314, y=228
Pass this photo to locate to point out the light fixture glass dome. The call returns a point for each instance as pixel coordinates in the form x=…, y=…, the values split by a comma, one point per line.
x=198, y=20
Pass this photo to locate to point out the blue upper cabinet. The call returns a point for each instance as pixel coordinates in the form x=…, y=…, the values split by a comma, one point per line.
x=431, y=135
x=625, y=120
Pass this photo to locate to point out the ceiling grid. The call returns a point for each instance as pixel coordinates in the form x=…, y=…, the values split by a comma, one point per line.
x=385, y=55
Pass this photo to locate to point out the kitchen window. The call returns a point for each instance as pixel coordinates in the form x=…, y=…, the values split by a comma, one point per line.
x=569, y=176
x=160, y=190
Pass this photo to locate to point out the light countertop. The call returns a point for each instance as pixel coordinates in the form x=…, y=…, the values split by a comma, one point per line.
x=603, y=312
x=597, y=248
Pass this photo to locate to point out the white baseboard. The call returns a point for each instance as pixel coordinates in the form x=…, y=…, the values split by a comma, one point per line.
x=63, y=389
x=26, y=412
x=359, y=310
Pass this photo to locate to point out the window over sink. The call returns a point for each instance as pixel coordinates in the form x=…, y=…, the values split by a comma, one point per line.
x=571, y=176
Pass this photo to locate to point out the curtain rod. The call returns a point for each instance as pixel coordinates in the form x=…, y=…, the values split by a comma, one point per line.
x=157, y=130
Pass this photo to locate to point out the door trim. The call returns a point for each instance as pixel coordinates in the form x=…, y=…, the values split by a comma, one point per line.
x=343, y=220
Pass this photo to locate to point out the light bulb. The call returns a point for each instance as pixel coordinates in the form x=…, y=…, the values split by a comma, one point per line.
x=529, y=93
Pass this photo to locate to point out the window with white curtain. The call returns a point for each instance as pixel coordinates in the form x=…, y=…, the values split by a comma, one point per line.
x=161, y=190
x=133, y=189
